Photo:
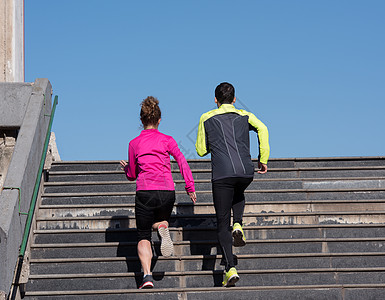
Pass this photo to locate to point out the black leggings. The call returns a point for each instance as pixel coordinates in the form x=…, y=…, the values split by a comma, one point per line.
x=152, y=207
x=228, y=194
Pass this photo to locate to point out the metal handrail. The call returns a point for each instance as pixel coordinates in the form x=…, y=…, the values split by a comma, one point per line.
x=37, y=183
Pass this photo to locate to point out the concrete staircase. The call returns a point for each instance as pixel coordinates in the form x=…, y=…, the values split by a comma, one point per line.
x=315, y=229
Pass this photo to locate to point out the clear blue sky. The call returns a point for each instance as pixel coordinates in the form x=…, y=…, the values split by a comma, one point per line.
x=312, y=71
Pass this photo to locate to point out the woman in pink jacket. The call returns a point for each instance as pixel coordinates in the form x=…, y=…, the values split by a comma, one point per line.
x=149, y=164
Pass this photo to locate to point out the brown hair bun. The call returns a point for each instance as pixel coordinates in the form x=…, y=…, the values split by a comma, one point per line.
x=150, y=112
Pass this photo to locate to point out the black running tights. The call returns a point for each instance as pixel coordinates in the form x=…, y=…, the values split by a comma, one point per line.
x=228, y=194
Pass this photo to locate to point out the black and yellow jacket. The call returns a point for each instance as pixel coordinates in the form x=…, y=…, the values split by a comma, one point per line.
x=224, y=132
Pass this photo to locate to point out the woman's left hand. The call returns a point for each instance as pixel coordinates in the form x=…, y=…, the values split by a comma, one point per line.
x=123, y=164
x=193, y=196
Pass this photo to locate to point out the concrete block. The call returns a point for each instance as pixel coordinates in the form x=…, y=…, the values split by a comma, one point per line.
x=14, y=98
x=274, y=294
x=137, y=295
x=25, y=269
x=131, y=281
x=24, y=164
x=364, y=293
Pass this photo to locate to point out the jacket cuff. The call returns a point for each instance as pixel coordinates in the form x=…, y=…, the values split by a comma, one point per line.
x=190, y=189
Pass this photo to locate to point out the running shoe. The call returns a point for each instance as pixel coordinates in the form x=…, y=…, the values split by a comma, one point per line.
x=166, y=245
x=239, y=239
x=147, y=282
x=231, y=278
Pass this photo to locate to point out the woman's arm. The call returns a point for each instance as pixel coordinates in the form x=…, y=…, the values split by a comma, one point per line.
x=130, y=167
x=183, y=167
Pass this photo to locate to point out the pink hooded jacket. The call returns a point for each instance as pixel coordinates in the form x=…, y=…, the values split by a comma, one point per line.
x=149, y=162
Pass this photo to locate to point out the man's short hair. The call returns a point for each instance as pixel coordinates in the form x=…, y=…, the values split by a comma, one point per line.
x=225, y=93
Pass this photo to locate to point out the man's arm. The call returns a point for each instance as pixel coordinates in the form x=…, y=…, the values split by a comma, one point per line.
x=201, y=145
x=263, y=139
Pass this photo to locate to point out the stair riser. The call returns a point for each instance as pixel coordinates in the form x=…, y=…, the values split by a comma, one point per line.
x=282, y=174
x=115, y=166
x=207, y=197
x=255, y=185
x=145, y=295
x=303, y=163
x=209, y=264
x=292, y=294
x=131, y=187
x=209, y=209
x=283, y=279
x=210, y=248
x=182, y=221
x=211, y=234
x=271, y=174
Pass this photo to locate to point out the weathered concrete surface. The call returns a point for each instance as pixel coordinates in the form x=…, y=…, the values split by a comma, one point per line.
x=14, y=98
x=52, y=152
x=7, y=144
x=11, y=41
x=22, y=172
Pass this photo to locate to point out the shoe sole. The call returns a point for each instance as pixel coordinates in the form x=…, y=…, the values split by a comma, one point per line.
x=238, y=240
x=232, y=281
x=166, y=245
x=147, y=285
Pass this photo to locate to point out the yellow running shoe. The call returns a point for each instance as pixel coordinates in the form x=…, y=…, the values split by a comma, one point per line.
x=231, y=278
x=239, y=239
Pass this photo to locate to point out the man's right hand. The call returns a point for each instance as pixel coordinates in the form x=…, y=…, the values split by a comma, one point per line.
x=262, y=168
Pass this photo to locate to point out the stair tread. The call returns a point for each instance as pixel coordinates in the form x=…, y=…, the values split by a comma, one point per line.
x=276, y=202
x=216, y=256
x=204, y=289
x=209, y=180
x=213, y=215
x=252, y=227
x=209, y=192
x=195, y=273
x=302, y=240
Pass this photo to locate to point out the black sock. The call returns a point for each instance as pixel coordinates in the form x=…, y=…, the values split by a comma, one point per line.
x=229, y=267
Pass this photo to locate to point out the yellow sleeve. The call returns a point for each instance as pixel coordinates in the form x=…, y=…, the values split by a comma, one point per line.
x=200, y=144
x=263, y=138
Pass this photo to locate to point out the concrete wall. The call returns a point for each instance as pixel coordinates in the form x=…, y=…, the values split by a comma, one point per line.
x=14, y=98
x=11, y=40
x=23, y=168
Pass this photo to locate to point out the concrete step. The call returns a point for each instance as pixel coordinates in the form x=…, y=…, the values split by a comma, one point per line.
x=205, y=163
x=130, y=280
x=126, y=186
x=207, y=262
x=46, y=211
x=257, y=184
x=62, y=236
x=210, y=247
x=298, y=292
x=206, y=196
x=195, y=220
x=322, y=162
x=325, y=172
